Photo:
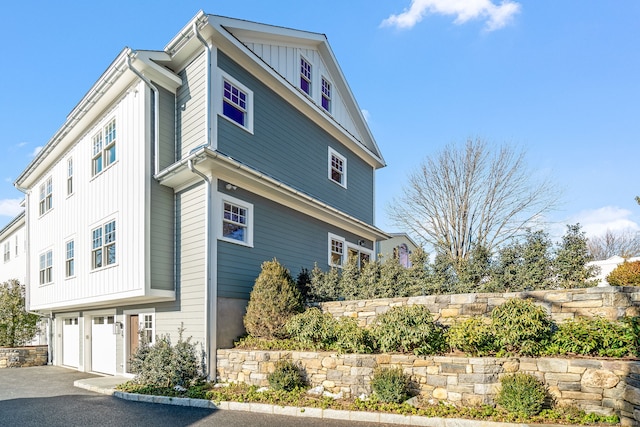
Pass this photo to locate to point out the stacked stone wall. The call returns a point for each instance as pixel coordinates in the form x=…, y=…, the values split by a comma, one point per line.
x=23, y=356
x=610, y=302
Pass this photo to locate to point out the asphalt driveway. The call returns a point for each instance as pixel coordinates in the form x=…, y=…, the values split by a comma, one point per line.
x=45, y=396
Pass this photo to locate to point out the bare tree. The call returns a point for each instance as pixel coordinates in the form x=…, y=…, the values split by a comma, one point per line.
x=625, y=243
x=471, y=196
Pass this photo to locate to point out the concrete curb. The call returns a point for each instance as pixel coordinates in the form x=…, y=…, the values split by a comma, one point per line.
x=295, y=411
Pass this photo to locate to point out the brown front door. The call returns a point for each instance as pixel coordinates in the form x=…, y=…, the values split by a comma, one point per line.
x=134, y=337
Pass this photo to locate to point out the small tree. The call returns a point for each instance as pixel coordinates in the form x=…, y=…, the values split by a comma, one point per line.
x=571, y=260
x=273, y=300
x=17, y=327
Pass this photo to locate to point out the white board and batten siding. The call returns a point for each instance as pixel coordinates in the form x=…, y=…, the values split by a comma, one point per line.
x=286, y=61
x=117, y=193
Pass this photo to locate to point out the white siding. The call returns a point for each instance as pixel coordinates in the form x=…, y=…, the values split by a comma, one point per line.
x=116, y=193
x=286, y=61
x=16, y=266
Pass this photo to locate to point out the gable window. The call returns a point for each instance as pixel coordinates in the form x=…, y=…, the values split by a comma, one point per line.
x=69, y=264
x=103, y=245
x=336, y=250
x=337, y=168
x=237, y=221
x=326, y=95
x=46, y=196
x=104, y=148
x=69, y=176
x=235, y=102
x=46, y=267
x=305, y=76
x=7, y=251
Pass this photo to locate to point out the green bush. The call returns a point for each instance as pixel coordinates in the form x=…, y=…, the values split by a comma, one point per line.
x=472, y=336
x=17, y=326
x=521, y=394
x=273, y=300
x=594, y=337
x=312, y=326
x=521, y=327
x=625, y=274
x=286, y=376
x=164, y=365
x=390, y=385
x=351, y=338
x=409, y=329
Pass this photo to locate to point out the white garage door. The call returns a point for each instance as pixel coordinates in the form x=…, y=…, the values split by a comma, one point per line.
x=70, y=342
x=103, y=345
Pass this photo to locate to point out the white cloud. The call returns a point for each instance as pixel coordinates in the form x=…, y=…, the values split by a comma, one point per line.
x=497, y=16
x=596, y=222
x=36, y=151
x=10, y=207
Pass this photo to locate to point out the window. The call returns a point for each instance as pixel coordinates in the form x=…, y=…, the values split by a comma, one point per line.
x=402, y=254
x=46, y=267
x=69, y=176
x=336, y=251
x=69, y=264
x=46, y=196
x=305, y=76
x=104, y=148
x=237, y=221
x=337, y=168
x=103, y=245
x=16, y=245
x=359, y=254
x=236, y=102
x=7, y=251
x=147, y=325
x=326, y=95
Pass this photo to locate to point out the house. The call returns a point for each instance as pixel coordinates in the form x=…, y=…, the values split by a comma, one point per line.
x=179, y=173
x=606, y=266
x=399, y=245
x=13, y=245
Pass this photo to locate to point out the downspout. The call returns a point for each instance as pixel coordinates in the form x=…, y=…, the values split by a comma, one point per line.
x=156, y=115
x=27, y=294
x=211, y=285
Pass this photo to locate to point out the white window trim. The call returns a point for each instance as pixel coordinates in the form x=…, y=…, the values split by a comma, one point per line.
x=359, y=249
x=104, y=147
x=101, y=225
x=45, y=197
x=333, y=152
x=70, y=182
x=330, y=110
x=66, y=259
x=221, y=198
x=46, y=267
x=7, y=251
x=219, y=99
x=312, y=78
x=335, y=237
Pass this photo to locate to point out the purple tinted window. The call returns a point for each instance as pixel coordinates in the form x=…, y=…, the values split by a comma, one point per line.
x=235, y=103
x=326, y=94
x=305, y=76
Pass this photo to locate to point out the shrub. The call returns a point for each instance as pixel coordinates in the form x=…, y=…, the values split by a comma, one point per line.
x=625, y=274
x=521, y=327
x=390, y=385
x=473, y=336
x=409, y=329
x=17, y=326
x=595, y=336
x=164, y=365
x=312, y=327
x=351, y=338
x=522, y=394
x=286, y=376
x=273, y=300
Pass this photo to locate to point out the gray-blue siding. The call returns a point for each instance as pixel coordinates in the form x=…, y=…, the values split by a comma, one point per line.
x=290, y=147
x=294, y=239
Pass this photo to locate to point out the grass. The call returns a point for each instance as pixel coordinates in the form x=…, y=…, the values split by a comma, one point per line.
x=299, y=398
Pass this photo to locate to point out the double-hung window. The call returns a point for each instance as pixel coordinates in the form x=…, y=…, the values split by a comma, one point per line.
x=46, y=267
x=103, y=245
x=337, y=168
x=236, y=103
x=104, y=148
x=46, y=196
x=69, y=263
x=305, y=76
x=326, y=95
x=70, y=176
x=336, y=250
x=147, y=324
x=236, y=225
x=359, y=255
x=7, y=251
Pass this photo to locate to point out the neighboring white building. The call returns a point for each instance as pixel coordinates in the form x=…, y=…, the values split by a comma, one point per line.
x=13, y=247
x=607, y=266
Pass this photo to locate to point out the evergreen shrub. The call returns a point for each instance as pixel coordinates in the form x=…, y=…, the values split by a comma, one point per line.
x=473, y=336
x=286, y=376
x=594, y=337
x=390, y=385
x=625, y=274
x=409, y=329
x=521, y=327
x=521, y=394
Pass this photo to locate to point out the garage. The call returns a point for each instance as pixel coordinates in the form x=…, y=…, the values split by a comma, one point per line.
x=103, y=345
x=70, y=342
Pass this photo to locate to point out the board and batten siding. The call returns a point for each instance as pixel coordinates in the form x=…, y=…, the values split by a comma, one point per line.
x=191, y=106
x=286, y=61
x=167, y=128
x=188, y=309
x=116, y=193
x=294, y=239
x=290, y=147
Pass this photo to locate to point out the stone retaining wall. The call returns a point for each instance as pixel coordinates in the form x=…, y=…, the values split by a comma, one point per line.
x=23, y=356
x=610, y=302
x=602, y=386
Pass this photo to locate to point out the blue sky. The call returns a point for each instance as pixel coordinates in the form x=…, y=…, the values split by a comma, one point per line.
x=558, y=79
